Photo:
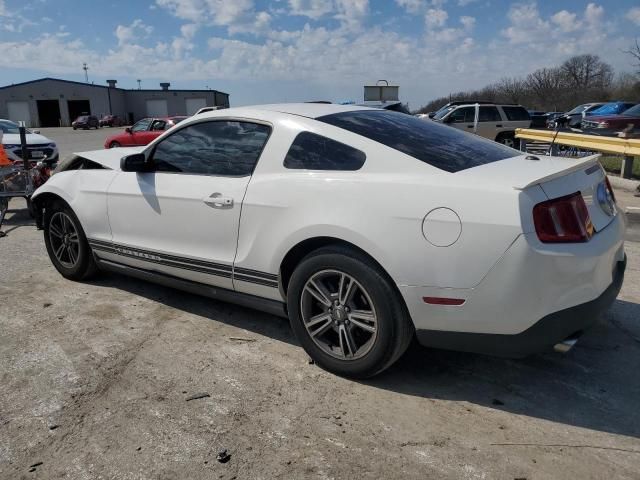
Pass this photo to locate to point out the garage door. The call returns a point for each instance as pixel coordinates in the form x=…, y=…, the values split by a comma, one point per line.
x=195, y=104
x=19, y=112
x=157, y=108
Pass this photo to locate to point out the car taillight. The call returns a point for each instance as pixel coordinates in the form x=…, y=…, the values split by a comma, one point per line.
x=563, y=220
x=613, y=195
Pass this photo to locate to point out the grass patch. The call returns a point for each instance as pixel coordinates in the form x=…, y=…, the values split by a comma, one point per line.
x=612, y=164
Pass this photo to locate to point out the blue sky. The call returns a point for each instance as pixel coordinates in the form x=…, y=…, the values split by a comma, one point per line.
x=264, y=51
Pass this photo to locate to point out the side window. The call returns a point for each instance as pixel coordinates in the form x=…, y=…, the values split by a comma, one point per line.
x=158, y=125
x=462, y=115
x=516, y=114
x=141, y=126
x=489, y=114
x=315, y=152
x=212, y=148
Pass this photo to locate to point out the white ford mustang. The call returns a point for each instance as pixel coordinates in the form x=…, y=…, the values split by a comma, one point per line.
x=365, y=227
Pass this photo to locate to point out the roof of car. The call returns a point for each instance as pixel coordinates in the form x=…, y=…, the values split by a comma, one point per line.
x=310, y=110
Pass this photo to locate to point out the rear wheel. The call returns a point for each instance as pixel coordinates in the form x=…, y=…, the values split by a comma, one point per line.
x=346, y=313
x=507, y=139
x=114, y=145
x=67, y=244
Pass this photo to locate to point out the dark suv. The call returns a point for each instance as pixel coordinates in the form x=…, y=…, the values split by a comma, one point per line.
x=86, y=122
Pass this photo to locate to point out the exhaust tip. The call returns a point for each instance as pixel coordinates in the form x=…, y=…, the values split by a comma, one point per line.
x=565, y=345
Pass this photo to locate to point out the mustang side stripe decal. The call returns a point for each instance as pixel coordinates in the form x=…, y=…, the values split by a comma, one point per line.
x=185, y=263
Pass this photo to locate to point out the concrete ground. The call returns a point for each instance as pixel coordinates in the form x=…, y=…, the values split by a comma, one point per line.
x=100, y=379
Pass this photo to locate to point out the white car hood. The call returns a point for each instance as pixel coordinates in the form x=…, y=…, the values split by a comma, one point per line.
x=32, y=139
x=109, y=157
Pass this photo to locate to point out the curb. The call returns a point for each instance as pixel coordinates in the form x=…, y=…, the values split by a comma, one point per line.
x=624, y=183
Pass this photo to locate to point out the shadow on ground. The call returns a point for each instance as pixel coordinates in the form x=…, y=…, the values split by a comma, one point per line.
x=16, y=218
x=595, y=386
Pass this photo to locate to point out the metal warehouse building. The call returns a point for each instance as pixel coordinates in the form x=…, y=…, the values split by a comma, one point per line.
x=51, y=102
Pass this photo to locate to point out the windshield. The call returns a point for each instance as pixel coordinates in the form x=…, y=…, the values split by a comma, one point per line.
x=578, y=109
x=443, y=111
x=633, y=111
x=438, y=145
x=9, y=127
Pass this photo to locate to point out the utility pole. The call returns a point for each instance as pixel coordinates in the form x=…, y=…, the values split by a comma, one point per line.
x=86, y=72
x=139, y=83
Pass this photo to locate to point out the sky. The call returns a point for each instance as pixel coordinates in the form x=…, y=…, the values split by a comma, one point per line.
x=265, y=51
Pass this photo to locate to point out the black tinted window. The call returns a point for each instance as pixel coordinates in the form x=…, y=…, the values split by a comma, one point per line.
x=212, y=148
x=439, y=145
x=516, y=113
x=489, y=114
x=315, y=152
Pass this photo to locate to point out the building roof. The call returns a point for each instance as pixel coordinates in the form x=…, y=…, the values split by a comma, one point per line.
x=104, y=86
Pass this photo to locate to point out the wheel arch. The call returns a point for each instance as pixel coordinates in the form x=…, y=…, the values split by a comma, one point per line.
x=41, y=202
x=303, y=248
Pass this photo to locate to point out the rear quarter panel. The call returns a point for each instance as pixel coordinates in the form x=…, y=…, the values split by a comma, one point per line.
x=376, y=209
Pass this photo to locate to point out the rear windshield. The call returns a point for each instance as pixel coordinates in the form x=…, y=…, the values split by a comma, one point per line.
x=438, y=145
x=516, y=114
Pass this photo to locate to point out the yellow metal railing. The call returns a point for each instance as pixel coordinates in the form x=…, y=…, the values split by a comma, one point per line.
x=619, y=146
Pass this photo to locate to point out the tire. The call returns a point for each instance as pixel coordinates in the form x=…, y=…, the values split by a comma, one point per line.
x=80, y=266
x=507, y=139
x=114, y=144
x=373, y=303
x=74, y=128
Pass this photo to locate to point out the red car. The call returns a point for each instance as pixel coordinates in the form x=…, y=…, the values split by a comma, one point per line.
x=142, y=132
x=613, y=123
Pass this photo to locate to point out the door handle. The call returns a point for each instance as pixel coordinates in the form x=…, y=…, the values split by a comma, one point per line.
x=498, y=126
x=469, y=126
x=216, y=200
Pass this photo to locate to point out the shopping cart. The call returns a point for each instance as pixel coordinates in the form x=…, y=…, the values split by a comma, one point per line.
x=16, y=181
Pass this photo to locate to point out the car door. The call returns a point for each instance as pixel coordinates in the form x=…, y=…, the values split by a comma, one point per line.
x=156, y=128
x=462, y=118
x=138, y=130
x=182, y=217
x=490, y=122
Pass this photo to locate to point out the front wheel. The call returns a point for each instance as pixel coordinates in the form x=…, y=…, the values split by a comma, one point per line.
x=67, y=244
x=346, y=313
x=508, y=140
x=114, y=145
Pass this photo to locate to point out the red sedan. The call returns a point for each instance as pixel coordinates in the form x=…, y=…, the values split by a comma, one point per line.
x=142, y=132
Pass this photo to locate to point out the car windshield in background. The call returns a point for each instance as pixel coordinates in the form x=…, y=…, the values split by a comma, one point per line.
x=438, y=145
x=611, y=109
x=578, y=109
x=9, y=127
x=633, y=111
x=442, y=112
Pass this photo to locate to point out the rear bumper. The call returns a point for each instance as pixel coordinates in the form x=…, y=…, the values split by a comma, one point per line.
x=542, y=335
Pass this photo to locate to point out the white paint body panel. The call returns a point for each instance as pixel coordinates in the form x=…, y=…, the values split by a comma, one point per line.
x=510, y=279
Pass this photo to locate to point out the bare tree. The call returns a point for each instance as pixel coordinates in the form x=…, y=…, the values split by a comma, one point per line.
x=634, y=51
x=587, y=72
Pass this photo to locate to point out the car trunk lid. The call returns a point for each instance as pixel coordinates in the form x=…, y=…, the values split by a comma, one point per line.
x=557, y=176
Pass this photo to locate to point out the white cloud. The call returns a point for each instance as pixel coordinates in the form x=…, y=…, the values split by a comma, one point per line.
x=593, y=14
x=464, y=3
x=435, y=17
x=412, y=6
x=132, y=33
x=216, y=12
x=189, y=30
x=634, y=15
x=3, y=9
x=468, y=22
x=313, y=9
x=566, y=21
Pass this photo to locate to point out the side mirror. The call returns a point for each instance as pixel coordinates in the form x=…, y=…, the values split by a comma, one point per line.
x=37, y=132
x=128, y=130
x=431, y=114
x=135, y=162
x=448, y=119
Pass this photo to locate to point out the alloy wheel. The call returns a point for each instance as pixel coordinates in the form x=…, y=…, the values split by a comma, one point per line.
x=339, y=315
x=64, y=239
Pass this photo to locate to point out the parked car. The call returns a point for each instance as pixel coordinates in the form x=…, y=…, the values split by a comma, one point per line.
x=111, y=121
x=142, y=132
x=614, y=123
x=495, y=122
x=86, y=122
x=538, y=119
x=40, y=148
x=573, y=118
x=366, y=227
x=611, y=108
